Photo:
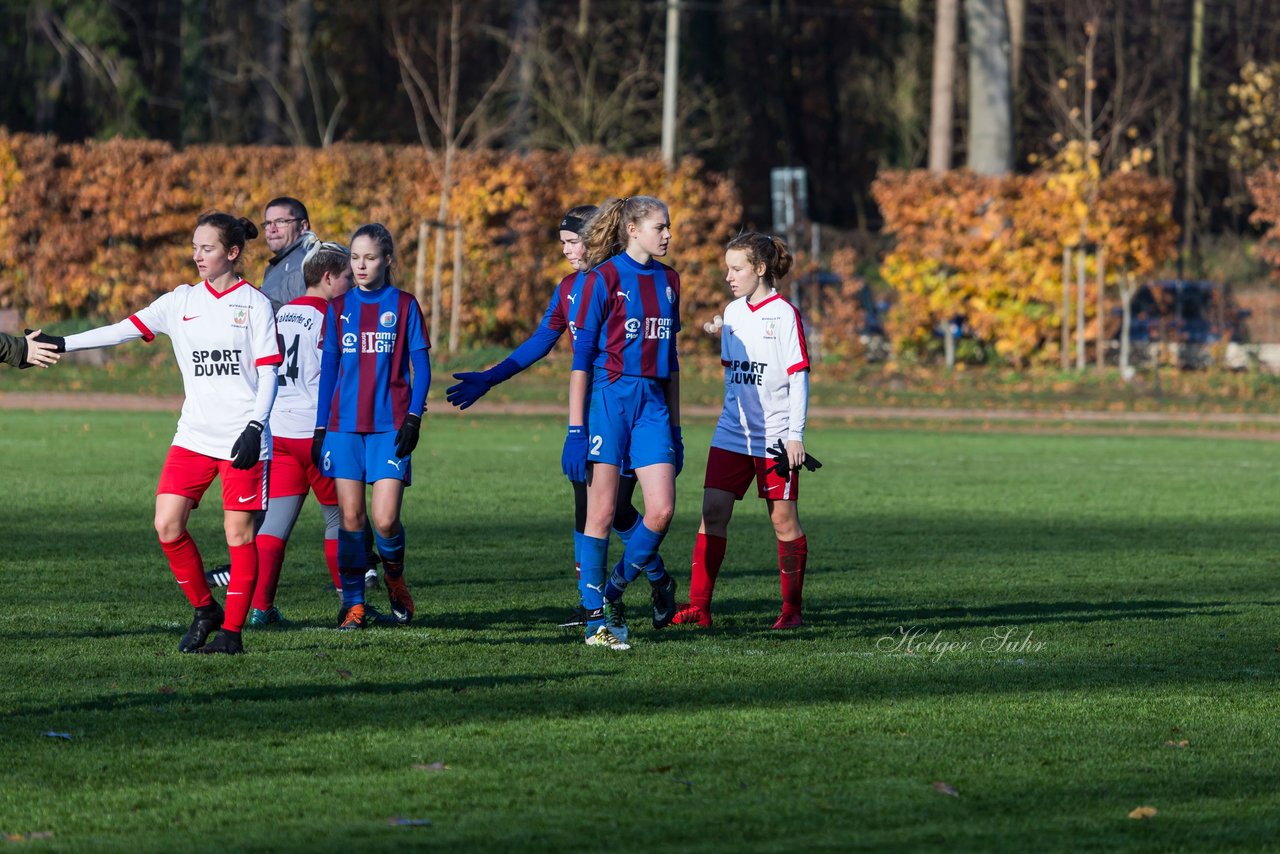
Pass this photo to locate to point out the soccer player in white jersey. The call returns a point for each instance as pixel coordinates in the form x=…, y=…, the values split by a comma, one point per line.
x=326, y=271
x=223, y=333
x=766, y=396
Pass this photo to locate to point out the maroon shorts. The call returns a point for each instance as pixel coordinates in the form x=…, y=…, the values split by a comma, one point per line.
x=189, y=474
x=293, y=473
x=733, y=472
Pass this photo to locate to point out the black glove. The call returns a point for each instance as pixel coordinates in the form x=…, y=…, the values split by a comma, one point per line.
x=57, y=341
x=782, y=465
x=245, y=452
x=407, y=435
x=317, y=447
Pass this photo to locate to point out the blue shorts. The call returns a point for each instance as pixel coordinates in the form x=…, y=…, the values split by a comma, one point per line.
x=364, y=456
x=629, y=425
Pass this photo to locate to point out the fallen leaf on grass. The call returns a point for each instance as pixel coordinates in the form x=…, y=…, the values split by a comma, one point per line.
x=344, y=674
x=661, y=769
x=1143, y=812
x=945, y=789
x=27, y=837
x=165, y=689
x=397, y=821
x=434, y=766
x=65, y=736
x=1182, y=743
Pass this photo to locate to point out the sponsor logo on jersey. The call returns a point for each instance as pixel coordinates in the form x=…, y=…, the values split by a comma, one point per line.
x=625, y=295
x=388, y=319
x=771, y=329
x=346, y=318
x=189, y=317
x=657, y=328
x=633, y=327
x=377, y=342
x=349, y=342
x=215, y=363
x=573, y=298
x=745, y=373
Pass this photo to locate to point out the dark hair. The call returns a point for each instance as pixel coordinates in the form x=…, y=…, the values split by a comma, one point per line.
x=577, y=218
x=606, y=232
x=232, y=231
x=323, y=257
x=296, y=208
x=763, y=249
x=379, y=234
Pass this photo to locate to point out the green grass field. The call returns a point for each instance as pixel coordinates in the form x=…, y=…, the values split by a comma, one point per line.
x=1141, y=569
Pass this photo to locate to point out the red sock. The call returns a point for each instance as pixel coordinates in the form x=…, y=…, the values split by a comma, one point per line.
x=331, y=560
x=188, y=568
x=244, y=573
x=270, y=559
x=708, y=554
x=791, y=561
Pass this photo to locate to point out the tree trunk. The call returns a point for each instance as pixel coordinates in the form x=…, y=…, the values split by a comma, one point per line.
x=942, y=94
x=1126, y=322
x=1100, y=345
x=1017, y=31
x=273, y=59
x=420, y=266
x=1196, y=54
x=1080, y=300
x=525, y=31
x=990, y=149
x=455, y=309
x=1066, y=308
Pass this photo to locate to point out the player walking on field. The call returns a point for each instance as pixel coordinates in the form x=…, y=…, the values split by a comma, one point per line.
x=327, y=275
x=766, y=396
x=369, y=414
x=223, y=333
x=560, y=314
x=625, y=364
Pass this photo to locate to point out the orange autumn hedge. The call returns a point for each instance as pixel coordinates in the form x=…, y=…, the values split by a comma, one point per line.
x=99, y=229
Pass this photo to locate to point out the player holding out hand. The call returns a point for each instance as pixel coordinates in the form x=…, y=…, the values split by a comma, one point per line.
x=766, y=396
x=223, y=333
x=369, y=414
x=33, y=351
x=560, y=314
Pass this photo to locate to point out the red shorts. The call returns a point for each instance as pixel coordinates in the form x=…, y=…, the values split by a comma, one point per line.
x=189, y=474
x=733, y=472
x=293, y=473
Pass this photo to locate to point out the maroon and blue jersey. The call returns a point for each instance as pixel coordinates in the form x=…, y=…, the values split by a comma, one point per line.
x=627, y=319
x=371, y=337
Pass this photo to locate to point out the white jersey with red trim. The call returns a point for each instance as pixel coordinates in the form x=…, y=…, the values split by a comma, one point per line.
x=761, y=346
x=299, y=322
x=219, y=339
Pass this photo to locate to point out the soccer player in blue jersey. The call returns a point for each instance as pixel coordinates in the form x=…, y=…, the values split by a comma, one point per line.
x=369, y=414
x=559, y=316
x=624, y=362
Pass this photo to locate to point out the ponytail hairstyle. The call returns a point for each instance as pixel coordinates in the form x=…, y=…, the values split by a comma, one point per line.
x=764, y=249
x=232, y=231
x=576, y=219
x=606, y=233
x=322, y=257
x=378, y=232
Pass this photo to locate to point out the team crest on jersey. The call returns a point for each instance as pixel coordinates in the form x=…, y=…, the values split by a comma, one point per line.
x=240, y=316
x=388, y=319
x=771, y=329
x=671, y=295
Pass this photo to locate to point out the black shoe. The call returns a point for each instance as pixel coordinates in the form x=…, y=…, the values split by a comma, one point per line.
x=206, y=620
x=226, y=643
x=664, y=602
x=219, y=576
x=577, y=619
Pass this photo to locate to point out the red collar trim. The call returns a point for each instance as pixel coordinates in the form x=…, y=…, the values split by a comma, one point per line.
x=220, y=295
x=773, y=296
x=318, y=303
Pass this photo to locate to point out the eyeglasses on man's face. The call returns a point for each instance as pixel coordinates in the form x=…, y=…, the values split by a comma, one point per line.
x=280, y=223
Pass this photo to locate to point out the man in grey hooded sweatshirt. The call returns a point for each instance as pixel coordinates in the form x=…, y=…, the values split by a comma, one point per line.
x=284, y=224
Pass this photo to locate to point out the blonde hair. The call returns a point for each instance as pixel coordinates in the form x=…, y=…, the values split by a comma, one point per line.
x=606, y=233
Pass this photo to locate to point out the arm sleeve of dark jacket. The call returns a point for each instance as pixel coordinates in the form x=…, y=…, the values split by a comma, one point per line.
x=13, y=350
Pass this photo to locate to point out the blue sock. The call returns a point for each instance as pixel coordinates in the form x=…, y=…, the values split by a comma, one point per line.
x=392, y=551
x=617, y=583
x=640, y=551
x=656, y=571
x=351, y=566
x=626, y=535
x=594, y=553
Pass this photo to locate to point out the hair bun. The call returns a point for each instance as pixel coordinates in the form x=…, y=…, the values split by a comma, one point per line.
x=250, y=230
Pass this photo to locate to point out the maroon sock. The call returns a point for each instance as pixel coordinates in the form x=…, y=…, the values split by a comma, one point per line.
x=270, y=559
x=791, y=561
x=708, y=554
x=188, y=569
x=244, y=574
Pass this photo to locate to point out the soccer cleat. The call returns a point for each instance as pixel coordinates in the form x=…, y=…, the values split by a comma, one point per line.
x=219, y=576
x=606, y=638
x=352, y=619
x=401, y=601
x=371, y=580
x=664, y=602
x=692, y=615
x=260, y=619
x=789, y=620
x=206, y=620
x=615, y=620
x=226, y=643
x=577, y=619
